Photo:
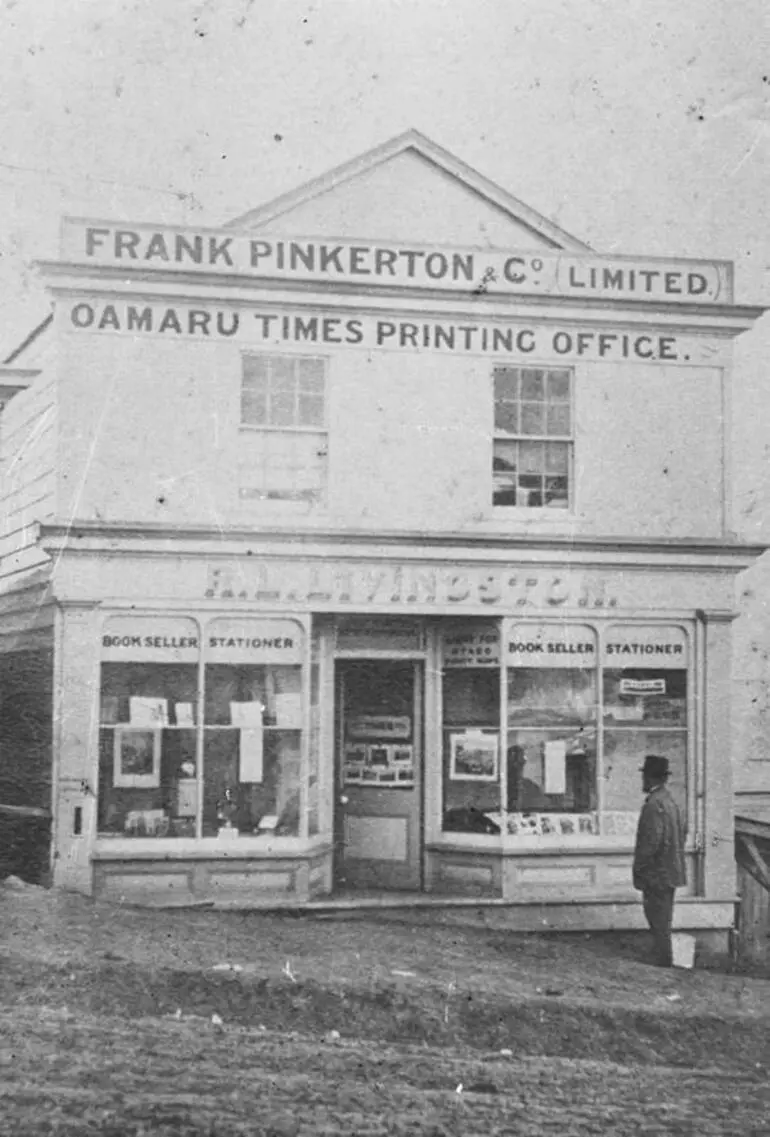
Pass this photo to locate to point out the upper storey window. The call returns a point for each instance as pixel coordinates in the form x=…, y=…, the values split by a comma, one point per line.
x=533, y=440
x=283, y=427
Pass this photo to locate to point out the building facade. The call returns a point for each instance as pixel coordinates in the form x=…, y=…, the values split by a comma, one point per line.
x=366, y=545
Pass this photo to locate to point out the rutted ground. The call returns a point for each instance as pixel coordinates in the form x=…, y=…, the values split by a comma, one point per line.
x=126, y=1022
x=75, y=1075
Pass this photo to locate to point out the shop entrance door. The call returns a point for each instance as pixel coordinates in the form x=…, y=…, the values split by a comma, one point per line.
x=378, y=813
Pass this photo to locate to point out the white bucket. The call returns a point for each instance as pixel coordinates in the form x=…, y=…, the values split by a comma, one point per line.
x=683, y=950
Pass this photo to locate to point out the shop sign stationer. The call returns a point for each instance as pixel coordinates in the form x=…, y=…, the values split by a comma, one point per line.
x=393, y=265
x=178, y=639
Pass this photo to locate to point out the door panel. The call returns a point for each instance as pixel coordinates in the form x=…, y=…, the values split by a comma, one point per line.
x=378, y=774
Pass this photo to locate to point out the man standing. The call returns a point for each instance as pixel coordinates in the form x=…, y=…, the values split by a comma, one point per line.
x=659, y=867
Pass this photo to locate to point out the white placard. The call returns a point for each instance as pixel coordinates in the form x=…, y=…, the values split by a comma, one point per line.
x=146, y=711
x=251, y=754
x=642, y=686
x=555, y=762
x=186, y=797
x=184, y=714
x=247, y=714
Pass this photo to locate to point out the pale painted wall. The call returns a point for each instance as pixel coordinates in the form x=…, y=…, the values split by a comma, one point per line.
x=406, y=199
x=149, y=432
x=649, y=452
x=28, y=425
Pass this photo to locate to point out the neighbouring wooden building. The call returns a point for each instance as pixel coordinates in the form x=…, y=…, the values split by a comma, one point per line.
x=366, y=545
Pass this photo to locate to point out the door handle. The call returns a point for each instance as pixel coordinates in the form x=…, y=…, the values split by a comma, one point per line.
x=344, y=799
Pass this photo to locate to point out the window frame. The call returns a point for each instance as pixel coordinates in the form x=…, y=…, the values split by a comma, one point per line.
x=568, y=441
x=269, y=494
x=602, y=841
x=113, y=845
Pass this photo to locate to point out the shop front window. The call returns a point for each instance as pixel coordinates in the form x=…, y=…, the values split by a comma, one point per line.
x=645, y=712
x=234, y=770
x=551, y=747
x=471, y=728
x=147, y=728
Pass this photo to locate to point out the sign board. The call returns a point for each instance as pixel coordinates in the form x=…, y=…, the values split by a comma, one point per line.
x=125, y=245
x=153, y=639
x=281, y=327
x=253, y=641
x=380, y=726
x=471, y=645
x=326, y=583
x=551, y=645
x=642, y=687
x=647, y=646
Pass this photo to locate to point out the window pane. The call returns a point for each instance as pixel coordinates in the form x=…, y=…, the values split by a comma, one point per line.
x=532, y=457
x=557, y=458
x=532, y=418
x=505, y=457
x=147, y=772
x=282, y=372
x=507, y=417
x=255, y=371
x=471, y=775
x=253, y=408
x=558, y=385
x=550, y=772
x=552, y=736
x=649, y=697
x=558, y=421
x=552, y=675
x=624, y=752
x=530, y=490
x=281, y=408
x=532, y=384
x=645, y=675
x=251, y=761
x=311, y=410
x=504, y=492
x=556, y=493
x=311, y=375
x=506, y=384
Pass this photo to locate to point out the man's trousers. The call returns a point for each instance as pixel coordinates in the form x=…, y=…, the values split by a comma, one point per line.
x=659, y=910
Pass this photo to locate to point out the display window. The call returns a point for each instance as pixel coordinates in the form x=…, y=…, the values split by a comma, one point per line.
x=208, y=740
x=470, y=702
x=551, y=737
x=581, y=706
x=645, y=688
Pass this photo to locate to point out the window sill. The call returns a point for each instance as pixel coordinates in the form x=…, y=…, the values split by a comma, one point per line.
x=492, y=845
x=533, y=513
x=207, y=848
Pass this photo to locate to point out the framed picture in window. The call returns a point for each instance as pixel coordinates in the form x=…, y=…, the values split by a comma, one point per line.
x=136, y=762
x=473, y=757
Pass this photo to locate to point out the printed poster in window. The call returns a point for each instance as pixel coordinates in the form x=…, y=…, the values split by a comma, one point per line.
x=473, y=757
x=136, y=759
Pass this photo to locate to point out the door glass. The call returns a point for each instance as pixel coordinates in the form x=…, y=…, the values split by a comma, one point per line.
x=378, y=732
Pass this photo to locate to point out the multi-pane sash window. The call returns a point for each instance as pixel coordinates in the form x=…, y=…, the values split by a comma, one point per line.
x=532, y=456
x=283, y=427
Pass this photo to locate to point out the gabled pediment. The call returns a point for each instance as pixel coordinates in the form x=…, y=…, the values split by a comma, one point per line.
x=408, y=189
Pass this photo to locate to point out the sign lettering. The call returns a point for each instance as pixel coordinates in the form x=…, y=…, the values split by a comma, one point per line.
x=324, y=583
x=369, y=332
x=483, y=271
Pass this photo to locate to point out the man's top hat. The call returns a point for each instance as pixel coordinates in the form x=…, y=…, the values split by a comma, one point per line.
x=656, y=767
